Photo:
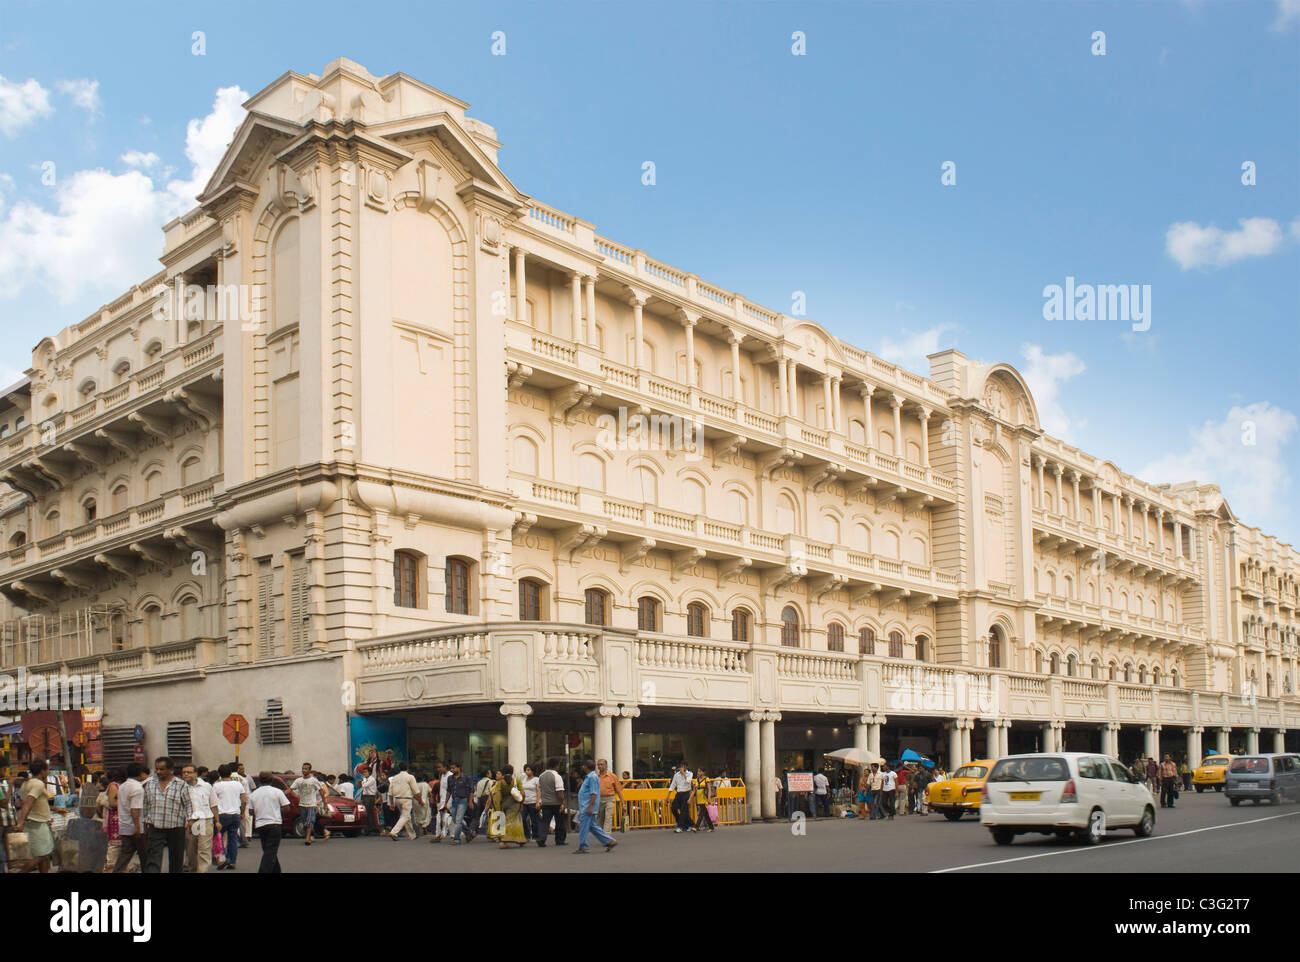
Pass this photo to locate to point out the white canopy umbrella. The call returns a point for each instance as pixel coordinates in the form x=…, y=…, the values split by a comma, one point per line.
x=858, y=757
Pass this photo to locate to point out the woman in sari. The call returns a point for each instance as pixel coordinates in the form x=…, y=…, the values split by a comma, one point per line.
x=505, y=820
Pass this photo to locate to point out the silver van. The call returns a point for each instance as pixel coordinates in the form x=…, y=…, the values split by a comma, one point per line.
x=1263, y=776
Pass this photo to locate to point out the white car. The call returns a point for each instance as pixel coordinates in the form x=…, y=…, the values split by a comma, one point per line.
x=1066, y=794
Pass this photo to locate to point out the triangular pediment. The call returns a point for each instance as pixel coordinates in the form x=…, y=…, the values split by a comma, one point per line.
x=256, y=136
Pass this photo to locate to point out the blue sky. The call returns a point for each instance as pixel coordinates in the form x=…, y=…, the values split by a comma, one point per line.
x=778, y=173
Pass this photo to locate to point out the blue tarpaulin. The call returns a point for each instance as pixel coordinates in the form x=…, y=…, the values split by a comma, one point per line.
x=911, y=756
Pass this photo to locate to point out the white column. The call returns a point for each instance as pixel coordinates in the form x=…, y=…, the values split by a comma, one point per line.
x=767, y=735
x=991, y=739
x=792, y=379
x=861, y=739
x=753, y=764
x=1060, y=490
x=896, y=403
x=966, y=725
x=1252, y=741
x=1074, y=483
x=837, y=413
x=1146, y=523
x=866, y=390
x=735, y=366
x=925, y=437
x=1225, y=740
x=873, y=733
x=624, y=744
x=1041, y=463
x=638, y=325
x=1152, y=742
x=1049, y=737
x=688, y=322
x=1160, y=530
x=603, y=731
x=1115, y=505
x=575, y=321
x=1279, y=741
x=782, y=388
x=593, y=338
x=1132, y=523
x=826, y=402
x=1178, y=539
x=1194, y=754
x=1004, y=737
x=955, y=758
x=517, y=734
x=1096, y=504
x=521, y=287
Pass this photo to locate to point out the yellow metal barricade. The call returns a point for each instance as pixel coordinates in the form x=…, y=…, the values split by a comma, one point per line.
x=647, y=803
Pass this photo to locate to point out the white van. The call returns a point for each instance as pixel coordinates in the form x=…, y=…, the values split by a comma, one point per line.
x=1066, y=794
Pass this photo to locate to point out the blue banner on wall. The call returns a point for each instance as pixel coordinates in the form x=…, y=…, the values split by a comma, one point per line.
x=378, y=732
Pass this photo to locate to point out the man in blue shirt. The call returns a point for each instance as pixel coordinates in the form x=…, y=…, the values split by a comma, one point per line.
x=588, y=801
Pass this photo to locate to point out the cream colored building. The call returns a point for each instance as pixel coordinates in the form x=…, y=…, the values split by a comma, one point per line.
x=460, y=457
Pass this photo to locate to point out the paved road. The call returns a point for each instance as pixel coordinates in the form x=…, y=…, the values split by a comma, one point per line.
x=1202, y=834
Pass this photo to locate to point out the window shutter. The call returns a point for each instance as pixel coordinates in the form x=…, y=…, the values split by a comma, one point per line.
x=275, y=727
x=178, y=743
x=264, y=594
x=299, y=608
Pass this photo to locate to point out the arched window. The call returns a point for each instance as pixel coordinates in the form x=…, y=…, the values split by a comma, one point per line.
x=152, y=626
x=20, y=422
x=406, y=580
x=52, y=525
x=1071, y=666
x=1096, y=670
x=189, y=471
x=790, y=627
x=895, y=644
x=118, y=496
x=121, y=371
x=1054, y=664
x=866, y=641
x=1156, y=676
x=153, y=486
x=647, y=614
x=117, y=631
x=1112, y=672
x=88, y=509
x=697, y=620
x=1176, y=682
x=190, y=618
x=1128, y=671
x=835, y=636
x=457, y=586
x=995, y=647
x=740, y=625
x=532, y=594
x=1038, y=661
x=922, y=648
x=1268, y=684
x=596, y=606
x=1142, y=674
x=18, y=539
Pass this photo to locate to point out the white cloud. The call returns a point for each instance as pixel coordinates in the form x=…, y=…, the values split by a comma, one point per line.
x=1192, y=245
x=1045, y=373
x=1242, y=454
x=1288, y=13
x=206, y=140
x=103, y=233
x=136, y=158
x=911, y=349
x=84, y=93
x=21, y=104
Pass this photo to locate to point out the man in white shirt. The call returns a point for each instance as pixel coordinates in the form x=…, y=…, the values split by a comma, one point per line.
x=402, y=789
x=130, y=809
x=821, y=794
x=203, y=818
x=310, y=790
x=250, y=786
x=345, y=786
x=679, y=790
x=267, y=807
x=232, y=806
x=442, y=800
x=888, y=782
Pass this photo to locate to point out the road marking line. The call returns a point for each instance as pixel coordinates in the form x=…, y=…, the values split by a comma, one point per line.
x=1131, y=841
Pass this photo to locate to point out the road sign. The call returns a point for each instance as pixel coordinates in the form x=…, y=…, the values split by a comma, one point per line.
x=138, y=754
x=235, y=728
x=139, y=733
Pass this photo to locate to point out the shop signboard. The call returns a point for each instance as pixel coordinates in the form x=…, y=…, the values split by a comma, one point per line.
x=799, y=781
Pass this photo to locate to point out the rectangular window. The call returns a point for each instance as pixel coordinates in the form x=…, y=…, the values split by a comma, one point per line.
x=595, y=614
x=404, y=584
x=740, y=625
x=647, y=614
x=530, y=601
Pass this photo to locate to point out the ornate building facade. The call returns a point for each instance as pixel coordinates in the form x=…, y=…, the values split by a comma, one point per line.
x=387, y=438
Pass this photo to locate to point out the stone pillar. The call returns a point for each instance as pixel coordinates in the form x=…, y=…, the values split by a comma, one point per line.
x=517, y=734
x=1178, y=539
x=1096, y=504
x=638, y=325
x=1060, y=489
x=954, y=744
x=1279, y=741
x=753, y=764
x=575, y=321
x=624, y=745
x=828, y=403
x=1040, y=462
x=966, y=725
x=593, y=339
x=792, y=381
x=861, y=732
x=1252, y=741
x=866, y=390
x=1194, y=754
x=992, y=739
x=896, y=403
x=837, y=418
x=873, y=733
x=521, y=287
x=1115, y=506
x=1146, y=524
x=1004, y=739
x=1225, y=740
x=1074, y=483
x=1132, y=528
x=767, y=736
x=1151, y=742
x=603, y=731
x=925, y=436
x=735, y=366
x=1049, y=736
x=782, y=388
x=1160, y=532
x=688, y=322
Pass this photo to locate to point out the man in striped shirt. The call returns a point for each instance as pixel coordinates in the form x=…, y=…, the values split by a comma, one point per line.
x=167, y=808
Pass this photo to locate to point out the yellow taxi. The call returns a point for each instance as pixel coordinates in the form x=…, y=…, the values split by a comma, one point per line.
x=959, y=793
x=1212, y=773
